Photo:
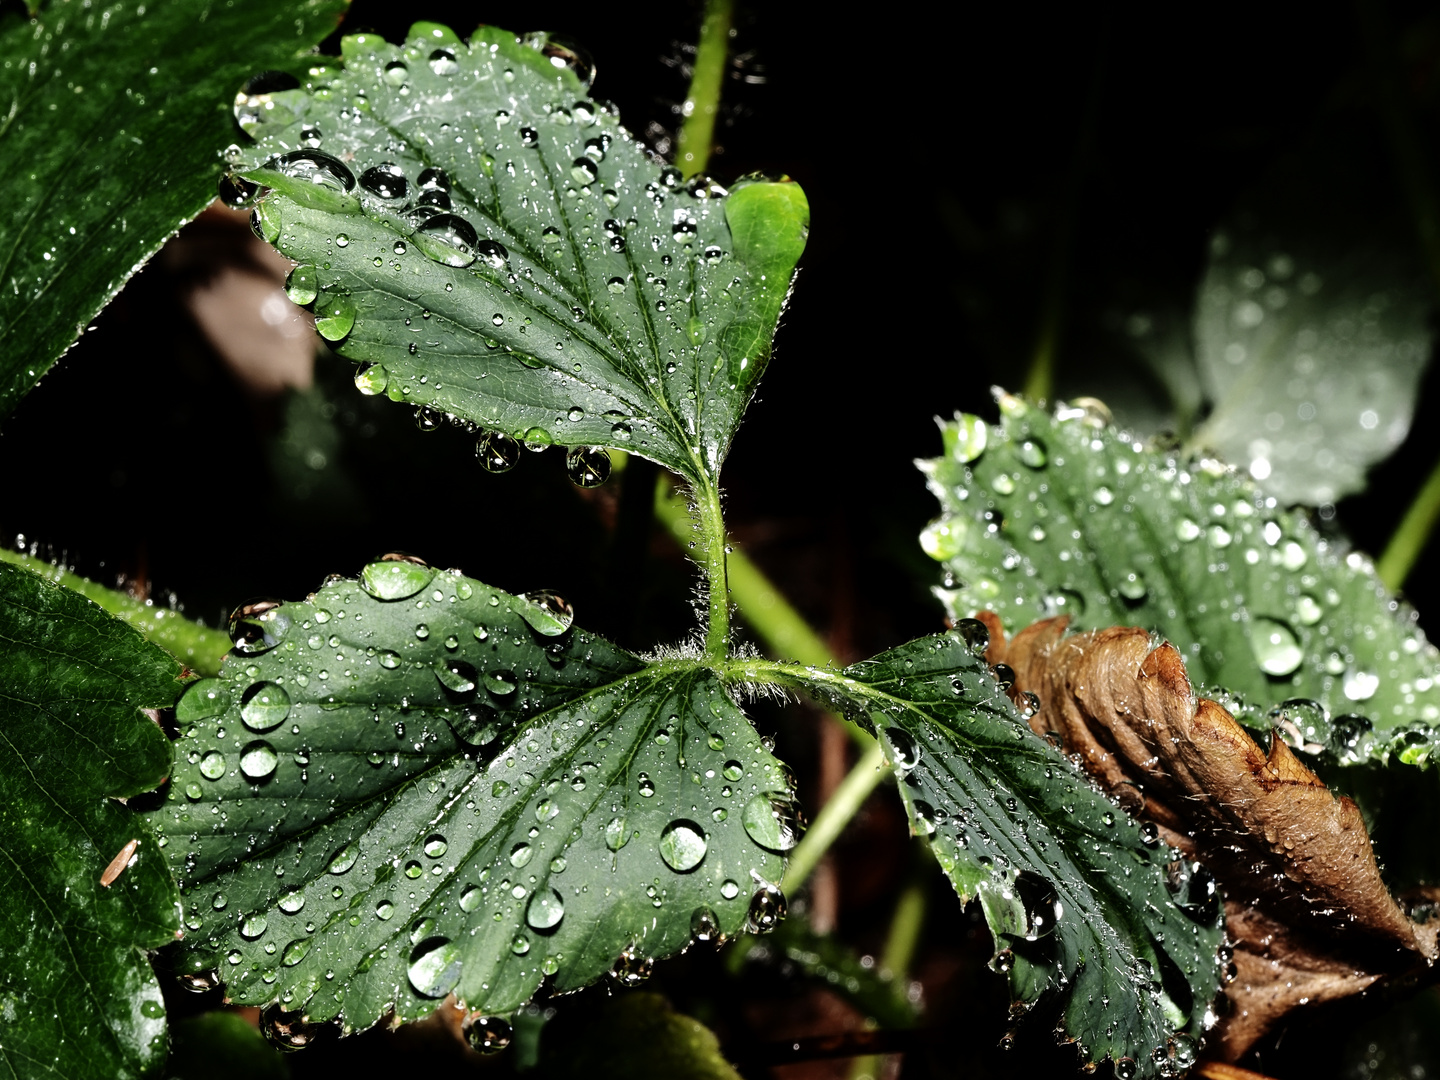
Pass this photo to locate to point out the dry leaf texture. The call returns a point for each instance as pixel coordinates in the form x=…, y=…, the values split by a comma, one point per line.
x=1308, y=914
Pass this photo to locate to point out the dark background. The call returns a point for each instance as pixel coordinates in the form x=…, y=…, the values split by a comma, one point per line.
x=943, y=150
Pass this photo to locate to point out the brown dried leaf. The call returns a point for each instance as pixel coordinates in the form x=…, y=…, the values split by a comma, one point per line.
x=1305, y=906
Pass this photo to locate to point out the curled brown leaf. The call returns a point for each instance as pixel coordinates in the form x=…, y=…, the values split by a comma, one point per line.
x=1306, y=909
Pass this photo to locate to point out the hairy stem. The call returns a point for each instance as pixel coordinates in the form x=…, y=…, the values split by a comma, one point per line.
x=702, y=104
x=710, y=524
x=196, y=647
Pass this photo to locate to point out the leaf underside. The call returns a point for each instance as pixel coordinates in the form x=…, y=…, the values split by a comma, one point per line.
x=108, y=145
x=1065, y=516
x=1078, y=900
x=447, y=791
x=72, y=961
x=511, y=256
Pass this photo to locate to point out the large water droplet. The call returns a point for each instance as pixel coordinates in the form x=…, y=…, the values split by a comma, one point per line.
x=434, y=967
x=253, y=926
x=705, y=925
x=371, y=379
x=264, y=705
x=289, y=1031
x=456, y=676
x=564, y=54
x=292, y=902
x=443, y=61
x=448, y=239
x=546, y=910
x=547, y=612
x=395, y=576
x=772, y=819
x=1032, y=452
x=296, y=951
x=497, y=452
x=975, y=635
x=334, y=315
x=1276, y=648
x=212, y=765
x=343, y=859
x=1302, y=724
x=316, y=167
x=488, y=1034
x=1360, y=685
x=303, y=285
x=258, y=625
x=500, y=683
x=1132, y=586
x=258, y=760
x=617, y=833
x=1042, y=907
x=767, y=909
x=386, y=181
x=904, y=753
x=587, y=466
x=683, y=845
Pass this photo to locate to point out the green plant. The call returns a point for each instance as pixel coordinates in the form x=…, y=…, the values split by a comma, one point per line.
x=411, y=788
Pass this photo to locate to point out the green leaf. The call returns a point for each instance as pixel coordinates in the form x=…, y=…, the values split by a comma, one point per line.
x=77, y=994
x=498, y=248
x=1312, y=357
x=107, y=145
x=198, y=647
x=416, y=784
x=1048, y=515
x=1083, y=902
x=631, y=1036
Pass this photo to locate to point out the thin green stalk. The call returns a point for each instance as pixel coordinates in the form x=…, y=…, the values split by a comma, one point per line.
x=195, y=646
x=1410, y=537
x=830, y=822
x=702, y=104
x=710, y=525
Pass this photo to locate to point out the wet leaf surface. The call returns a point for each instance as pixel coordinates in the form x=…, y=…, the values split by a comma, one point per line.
x=72, y=953
x=1060, y=515
x=1076, y=893
x=414, y=784
x=494, y=246
x=1310, y=919
x=108, y=146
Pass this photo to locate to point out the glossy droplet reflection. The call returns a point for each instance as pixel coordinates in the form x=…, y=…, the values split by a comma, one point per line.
x=497, y=452
x=772, y=819
x=545, y=910
x=547, y=612
x=1275, y=645
x=767, y=909
x=488, y=1034
x=434, y=967
x=683, y=845
x=587, y=466
x=265, y=705
x=258, y=760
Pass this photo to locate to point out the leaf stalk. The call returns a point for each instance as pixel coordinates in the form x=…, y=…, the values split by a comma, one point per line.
x=702, y=104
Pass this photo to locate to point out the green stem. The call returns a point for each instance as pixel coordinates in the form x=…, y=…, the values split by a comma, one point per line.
x=710, y=524
x=702, y=104
x=830, y=822
x=1409, y=539
x=195, y=646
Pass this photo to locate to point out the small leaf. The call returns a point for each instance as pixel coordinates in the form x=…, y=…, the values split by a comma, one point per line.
x=1052, y=515
x=498, y=248
x=1306, y=910
x=108, y=145
x=414, y=784
x=72, y=960
x=1076, y=897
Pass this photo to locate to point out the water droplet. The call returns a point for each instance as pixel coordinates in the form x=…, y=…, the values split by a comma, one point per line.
x=617, y=833
x=729, y=889
x=344, y=859
x=905, y=755
x=500, y=683
x=295, y=951
x=315, y=167
x=705, y=925
x=584, y=171
x=520, y=945
x=236, y=192
x=1126, y=1068
x=212, y=765
x=767, y=909
x=1132, y=586
x=497, y=452
x=289, y=1031
x=202, y=699
x=435, y=845
x=258, y=625
x=1276, y=648
x=1303, y=724
x=587, y=466
x=258, y=760
x=448, y=239
x=1308, y=611
x=253, y=926
x=265, y=705
x=616, y=285
x=371, y=379
x=395, y=576
x=396, y=73
x=1193, y=888
x=386, y=181
x=546, y=910
x=772, y=819
x=303, y=285
x=488, y=1034
x=384, y=909
x=732, y=770
x=334, y=312
x=646, y=786
x=443, y=62
x=683, y=845
x=1187, y=530
x=456, y=675
x=1042, y=907
x=1032, y=452
x=434, y=968
x=975, y=635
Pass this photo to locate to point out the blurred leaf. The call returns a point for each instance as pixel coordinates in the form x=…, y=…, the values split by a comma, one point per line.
x=73, y=968
x=416, y=784
x=1047, y=516
x=1075, y=893
x=108, y=146
x=500, y=249
x=634, y=1035
x=1312, y=329
x=221, y=1046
